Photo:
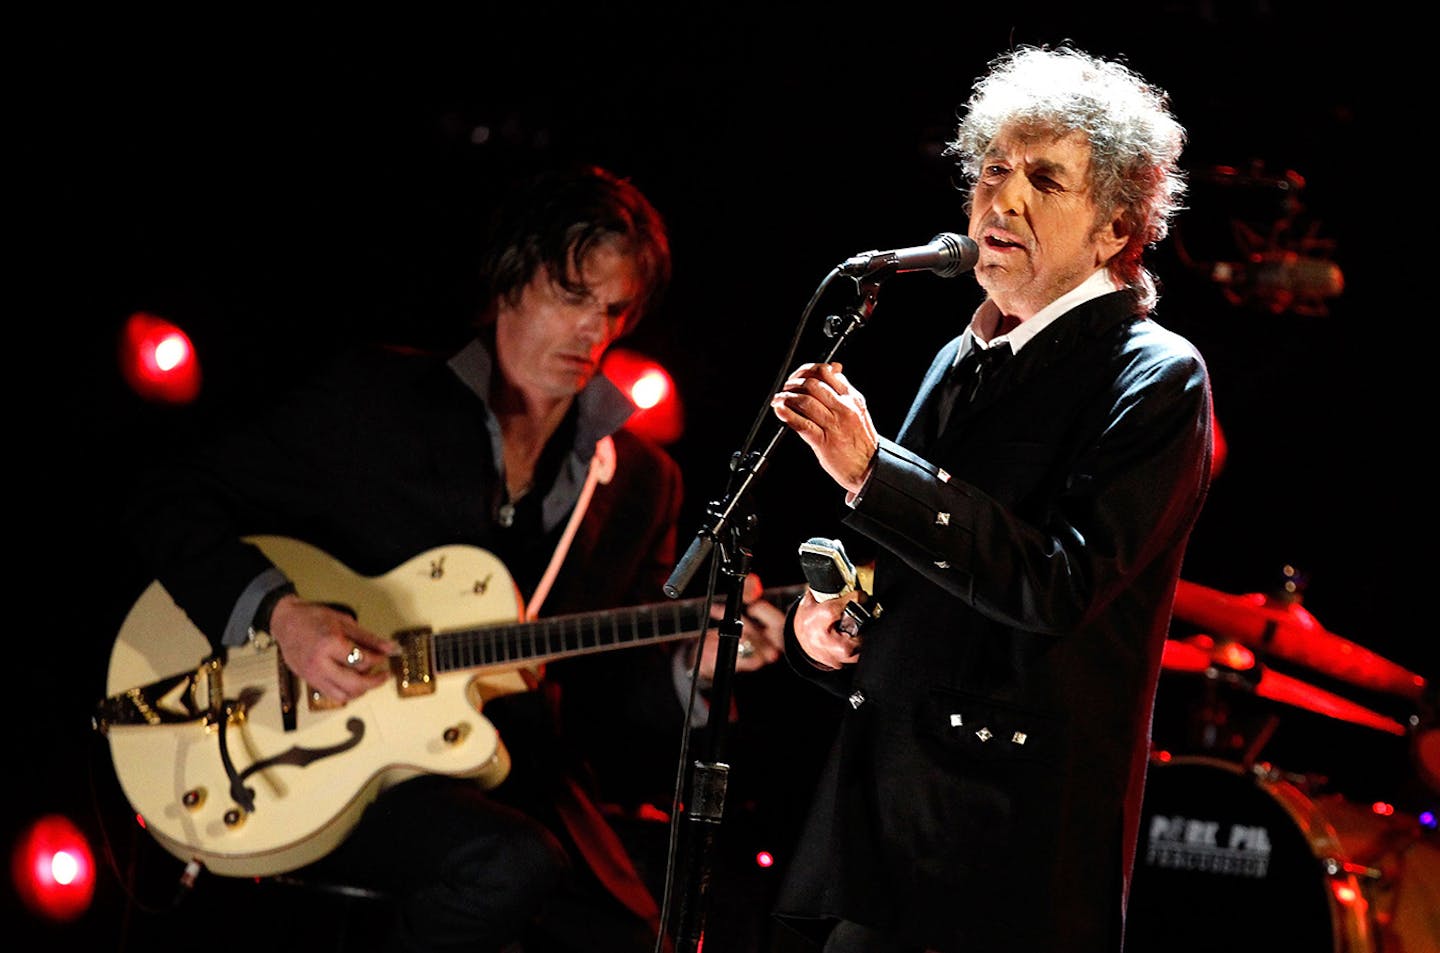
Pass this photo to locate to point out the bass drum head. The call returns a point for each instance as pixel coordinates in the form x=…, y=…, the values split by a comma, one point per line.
x=1229, y=861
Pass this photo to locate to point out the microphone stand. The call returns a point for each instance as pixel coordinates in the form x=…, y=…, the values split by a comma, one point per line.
x=709, y=777
x=706, y=804
x=748, y=466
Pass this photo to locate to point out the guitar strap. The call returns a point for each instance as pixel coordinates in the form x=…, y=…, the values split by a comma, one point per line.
x=602, y=469
x=593, y=835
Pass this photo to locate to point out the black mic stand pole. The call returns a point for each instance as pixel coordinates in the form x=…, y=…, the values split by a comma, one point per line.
x=706, y=804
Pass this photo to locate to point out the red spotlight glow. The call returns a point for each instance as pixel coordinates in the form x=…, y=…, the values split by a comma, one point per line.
x=54, y=869
x=651, y=389
x=1221, y=451
x=764, y=859
x=1347, y=895
x=158, y=360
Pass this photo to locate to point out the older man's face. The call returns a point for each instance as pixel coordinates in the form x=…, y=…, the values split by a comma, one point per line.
x=1035, y=220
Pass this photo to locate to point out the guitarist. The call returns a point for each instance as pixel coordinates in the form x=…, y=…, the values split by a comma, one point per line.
x=387, y=453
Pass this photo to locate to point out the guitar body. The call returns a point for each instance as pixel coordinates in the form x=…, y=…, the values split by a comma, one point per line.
x=310, y=769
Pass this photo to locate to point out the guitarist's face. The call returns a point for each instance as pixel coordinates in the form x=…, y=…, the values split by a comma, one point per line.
x=549, y=341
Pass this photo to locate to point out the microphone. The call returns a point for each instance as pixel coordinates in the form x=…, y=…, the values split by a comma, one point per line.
x=828, y=569
x=830, y=574
x=1280, y=280
x=948, y=255
x=1297, y=275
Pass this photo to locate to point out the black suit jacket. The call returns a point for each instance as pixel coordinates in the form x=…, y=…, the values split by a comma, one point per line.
x=984, y=791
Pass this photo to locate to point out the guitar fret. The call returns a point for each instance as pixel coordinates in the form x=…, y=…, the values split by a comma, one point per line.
x=509, y=644
x=526, y=641
x=512, y=643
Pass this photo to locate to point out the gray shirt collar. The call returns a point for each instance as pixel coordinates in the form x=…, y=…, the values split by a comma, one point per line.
x=601, y=408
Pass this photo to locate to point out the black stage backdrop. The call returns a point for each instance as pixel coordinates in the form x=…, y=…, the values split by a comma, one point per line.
x=279, y=188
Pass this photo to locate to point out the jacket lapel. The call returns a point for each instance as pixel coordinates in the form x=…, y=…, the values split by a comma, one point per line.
x=912, y=431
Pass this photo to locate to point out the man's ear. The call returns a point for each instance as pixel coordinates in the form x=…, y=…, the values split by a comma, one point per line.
x=1111, y=238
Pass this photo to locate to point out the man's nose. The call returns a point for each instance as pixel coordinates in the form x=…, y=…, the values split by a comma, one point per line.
x=594, y=324
x=1012, y=195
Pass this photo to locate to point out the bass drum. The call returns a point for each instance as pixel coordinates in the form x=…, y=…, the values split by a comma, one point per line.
x=1238, y=860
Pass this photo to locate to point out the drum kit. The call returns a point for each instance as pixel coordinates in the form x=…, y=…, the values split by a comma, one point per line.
x=1236, y=854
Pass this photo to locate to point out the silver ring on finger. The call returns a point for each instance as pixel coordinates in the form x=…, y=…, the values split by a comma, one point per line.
x=355, y=656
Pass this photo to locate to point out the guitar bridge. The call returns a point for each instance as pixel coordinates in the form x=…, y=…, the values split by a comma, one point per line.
x=414, y=668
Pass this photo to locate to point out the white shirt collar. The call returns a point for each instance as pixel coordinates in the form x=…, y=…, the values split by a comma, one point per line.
x=1099, y=283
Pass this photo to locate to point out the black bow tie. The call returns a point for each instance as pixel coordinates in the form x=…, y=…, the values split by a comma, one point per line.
x=964, y=379
x=971, y=373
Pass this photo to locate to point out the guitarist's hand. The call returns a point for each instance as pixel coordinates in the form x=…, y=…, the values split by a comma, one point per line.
x=762, y=636
x=829, y=636
x=318, y=643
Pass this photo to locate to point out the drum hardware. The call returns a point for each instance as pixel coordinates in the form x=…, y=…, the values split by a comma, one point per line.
x=1282, y=627
x=1336, y=867
x=1235, y=666
x=1279, y=626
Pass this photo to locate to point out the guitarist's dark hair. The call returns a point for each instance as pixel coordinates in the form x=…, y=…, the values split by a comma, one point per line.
x=554, y=218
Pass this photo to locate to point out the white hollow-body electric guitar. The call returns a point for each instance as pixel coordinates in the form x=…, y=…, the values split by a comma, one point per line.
x=230, y=761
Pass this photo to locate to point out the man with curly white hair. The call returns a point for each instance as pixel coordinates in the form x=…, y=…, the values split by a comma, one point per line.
x=1029, y=522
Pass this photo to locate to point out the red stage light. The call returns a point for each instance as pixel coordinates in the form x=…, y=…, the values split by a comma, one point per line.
x=158, y=361
x=764, y=859
x=651, y=389
x=54, y=869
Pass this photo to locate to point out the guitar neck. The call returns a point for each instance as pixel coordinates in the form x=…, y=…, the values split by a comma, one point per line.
x=564, y=636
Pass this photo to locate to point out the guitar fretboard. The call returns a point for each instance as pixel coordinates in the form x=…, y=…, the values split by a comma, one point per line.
x=578, y=634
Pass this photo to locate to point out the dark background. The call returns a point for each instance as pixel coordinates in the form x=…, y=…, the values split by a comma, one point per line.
x=281, y=188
